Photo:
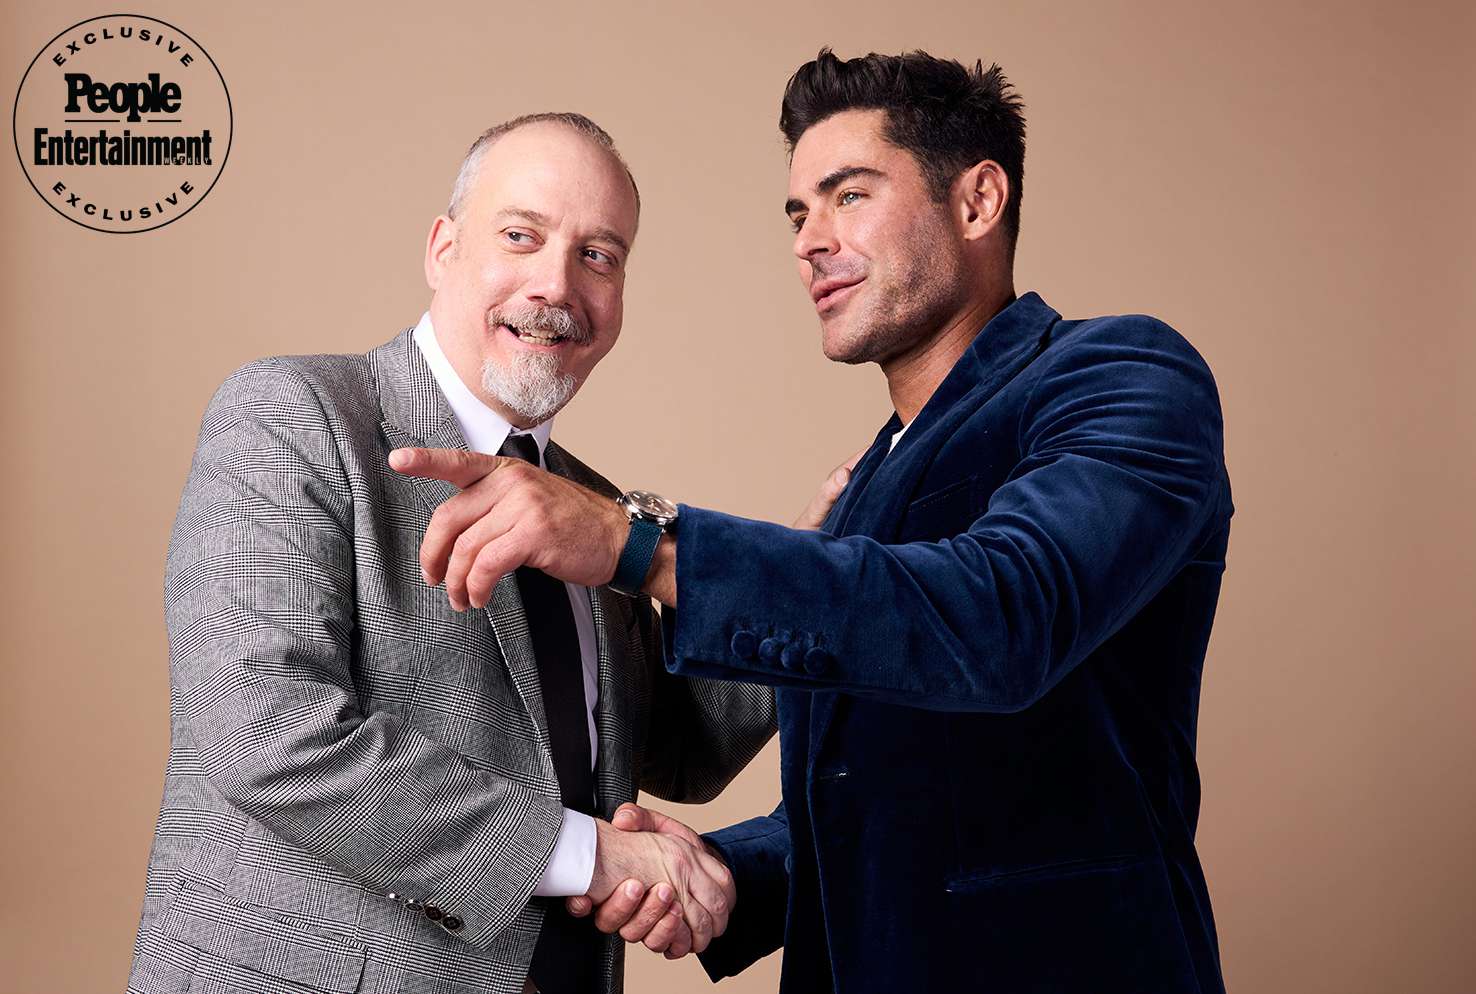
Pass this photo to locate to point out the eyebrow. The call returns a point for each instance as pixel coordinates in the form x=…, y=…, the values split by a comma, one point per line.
x=832, y=180
x=610, y=236
x=535, y=217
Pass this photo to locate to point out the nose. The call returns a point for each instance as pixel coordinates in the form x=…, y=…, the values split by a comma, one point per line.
x=551, y=280
x=816, y=237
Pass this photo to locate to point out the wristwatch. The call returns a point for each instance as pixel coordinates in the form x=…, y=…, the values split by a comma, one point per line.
x=650, y=517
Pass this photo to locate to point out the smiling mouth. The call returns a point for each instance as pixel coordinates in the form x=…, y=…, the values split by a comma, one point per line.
x=529, y=337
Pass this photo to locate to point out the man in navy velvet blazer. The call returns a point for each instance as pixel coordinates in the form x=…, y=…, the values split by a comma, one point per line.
x=988, y=658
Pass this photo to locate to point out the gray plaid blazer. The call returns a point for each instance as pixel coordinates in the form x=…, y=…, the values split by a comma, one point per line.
x=339, y=733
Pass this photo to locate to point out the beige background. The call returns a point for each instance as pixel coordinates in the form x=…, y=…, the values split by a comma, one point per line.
x=1288, y=184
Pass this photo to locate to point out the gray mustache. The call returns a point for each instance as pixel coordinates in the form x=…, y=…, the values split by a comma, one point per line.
x=546, y=320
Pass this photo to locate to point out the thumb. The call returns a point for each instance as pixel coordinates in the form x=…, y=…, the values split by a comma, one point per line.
x=670, y=826
x=631, y=817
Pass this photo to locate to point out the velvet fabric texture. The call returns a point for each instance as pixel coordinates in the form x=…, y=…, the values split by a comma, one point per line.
x=987, y=667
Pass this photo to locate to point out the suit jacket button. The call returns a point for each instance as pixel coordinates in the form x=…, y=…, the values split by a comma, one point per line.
x=451, y=923
x=745, y=644
x=793, y=656
x=817, y=660
x=769, y=649
x=434, y=913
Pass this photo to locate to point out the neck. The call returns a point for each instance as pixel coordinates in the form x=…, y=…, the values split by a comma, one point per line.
x=915, y=373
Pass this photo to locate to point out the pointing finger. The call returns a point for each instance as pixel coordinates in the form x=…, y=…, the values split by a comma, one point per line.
x=455, y=466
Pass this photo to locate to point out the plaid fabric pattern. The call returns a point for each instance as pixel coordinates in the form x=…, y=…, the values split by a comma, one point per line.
x=340, y=734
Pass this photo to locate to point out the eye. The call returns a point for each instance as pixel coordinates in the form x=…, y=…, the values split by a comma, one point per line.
x=797, y=222
x=603, y=258
x=518, y=237
x=843, y=198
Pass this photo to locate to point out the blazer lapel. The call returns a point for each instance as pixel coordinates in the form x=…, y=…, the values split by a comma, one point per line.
x=416, y=415
x=871, y=460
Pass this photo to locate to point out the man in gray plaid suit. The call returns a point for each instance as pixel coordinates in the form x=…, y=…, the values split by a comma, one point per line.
x=369, y=787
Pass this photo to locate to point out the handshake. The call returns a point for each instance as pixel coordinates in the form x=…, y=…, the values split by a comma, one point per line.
x=656, y=882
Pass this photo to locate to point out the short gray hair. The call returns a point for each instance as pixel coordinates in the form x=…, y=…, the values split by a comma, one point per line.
x=466, y=176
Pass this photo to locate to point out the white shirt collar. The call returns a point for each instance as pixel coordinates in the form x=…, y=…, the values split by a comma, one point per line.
x=484, y=429
x=897, y=437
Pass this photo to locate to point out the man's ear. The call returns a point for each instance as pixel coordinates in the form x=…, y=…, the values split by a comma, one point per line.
x=440, y=246
x=980, y=196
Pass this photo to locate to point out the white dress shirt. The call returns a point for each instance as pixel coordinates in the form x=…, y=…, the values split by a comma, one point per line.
x=571, y=866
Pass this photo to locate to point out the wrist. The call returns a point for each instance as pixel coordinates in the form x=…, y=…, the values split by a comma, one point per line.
x=602, y=881
x=619, y=533
x=661, y=578
x=715, y=853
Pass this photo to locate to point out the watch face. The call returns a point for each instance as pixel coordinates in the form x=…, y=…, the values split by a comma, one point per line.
x=652, y=506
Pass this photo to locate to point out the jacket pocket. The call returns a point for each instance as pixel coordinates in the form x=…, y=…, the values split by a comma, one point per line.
x=239, y=944
x=945, y=512
x=1107, y=925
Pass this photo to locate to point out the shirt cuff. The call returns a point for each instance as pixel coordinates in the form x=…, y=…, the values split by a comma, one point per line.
x=571, y=867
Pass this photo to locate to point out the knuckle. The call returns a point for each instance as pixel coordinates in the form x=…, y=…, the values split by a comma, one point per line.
x=480, y=568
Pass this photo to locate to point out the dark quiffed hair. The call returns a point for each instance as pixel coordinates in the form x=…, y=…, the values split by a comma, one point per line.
x=947, y=115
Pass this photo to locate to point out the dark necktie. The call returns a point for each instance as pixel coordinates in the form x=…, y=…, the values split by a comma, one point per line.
x=566, y=956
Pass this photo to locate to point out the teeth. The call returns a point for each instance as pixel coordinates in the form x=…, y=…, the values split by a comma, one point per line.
x=533, y=337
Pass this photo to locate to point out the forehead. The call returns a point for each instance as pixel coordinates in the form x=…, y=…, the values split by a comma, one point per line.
x=850, y=138
x=554, y=170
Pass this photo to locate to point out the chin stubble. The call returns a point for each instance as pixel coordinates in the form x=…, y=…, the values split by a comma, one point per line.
x=903, y=307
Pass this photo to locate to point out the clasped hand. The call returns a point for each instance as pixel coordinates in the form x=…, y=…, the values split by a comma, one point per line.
x=656, y=883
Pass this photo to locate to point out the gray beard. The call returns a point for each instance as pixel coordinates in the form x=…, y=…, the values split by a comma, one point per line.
x=532, y=386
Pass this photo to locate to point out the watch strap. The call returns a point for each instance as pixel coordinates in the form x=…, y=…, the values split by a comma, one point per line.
x=635, y=558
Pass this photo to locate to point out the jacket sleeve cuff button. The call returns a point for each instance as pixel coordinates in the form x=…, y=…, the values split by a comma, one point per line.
x=745, y=644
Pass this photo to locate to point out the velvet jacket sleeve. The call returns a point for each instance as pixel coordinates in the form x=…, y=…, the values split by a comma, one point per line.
x=1120, y=472
x=757, y=851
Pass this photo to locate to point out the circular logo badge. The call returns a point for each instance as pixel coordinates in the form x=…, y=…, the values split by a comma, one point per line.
x=122, y=123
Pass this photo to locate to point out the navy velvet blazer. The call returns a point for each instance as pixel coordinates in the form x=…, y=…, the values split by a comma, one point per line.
x=987, y=668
